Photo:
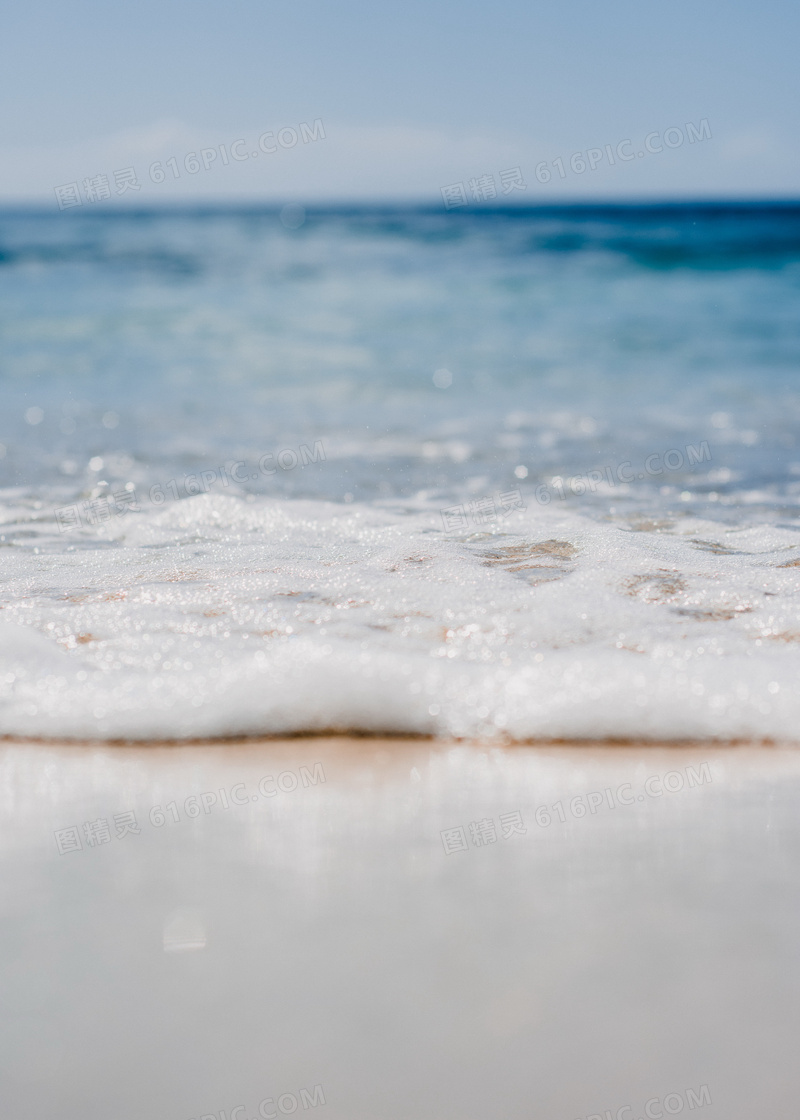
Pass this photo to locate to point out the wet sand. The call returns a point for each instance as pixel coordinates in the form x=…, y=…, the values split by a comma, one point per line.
x=401, y=928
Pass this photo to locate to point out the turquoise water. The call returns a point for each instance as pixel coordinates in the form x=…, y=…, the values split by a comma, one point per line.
x=575, y=338
x=235, y=396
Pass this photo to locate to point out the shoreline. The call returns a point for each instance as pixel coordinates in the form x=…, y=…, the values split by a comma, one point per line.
x=311, y=897
x=399, y=739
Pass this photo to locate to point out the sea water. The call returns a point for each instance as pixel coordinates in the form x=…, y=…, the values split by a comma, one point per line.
x=496, y=473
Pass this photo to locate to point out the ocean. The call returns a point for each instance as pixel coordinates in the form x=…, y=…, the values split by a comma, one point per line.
x=503, y=473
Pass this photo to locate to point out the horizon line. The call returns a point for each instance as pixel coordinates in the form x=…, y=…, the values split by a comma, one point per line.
x=422, y=204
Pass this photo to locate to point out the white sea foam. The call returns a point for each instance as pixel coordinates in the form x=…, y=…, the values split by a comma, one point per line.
x=220, y=616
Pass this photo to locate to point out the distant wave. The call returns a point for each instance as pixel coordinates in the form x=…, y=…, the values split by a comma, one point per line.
x=699, y=234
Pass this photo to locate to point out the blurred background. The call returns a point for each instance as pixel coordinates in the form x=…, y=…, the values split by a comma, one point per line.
x=459, y=248
x=412, y=97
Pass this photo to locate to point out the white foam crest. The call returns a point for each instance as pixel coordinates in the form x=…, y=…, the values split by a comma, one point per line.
x=221, y=616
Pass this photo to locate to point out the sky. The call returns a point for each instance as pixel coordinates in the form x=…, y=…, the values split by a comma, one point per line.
x=409, y=98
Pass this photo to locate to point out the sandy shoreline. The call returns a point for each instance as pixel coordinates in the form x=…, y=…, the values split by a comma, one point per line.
x=401, y=739
x=421, y=928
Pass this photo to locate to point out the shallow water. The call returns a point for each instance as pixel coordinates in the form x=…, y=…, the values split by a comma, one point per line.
x=498, y=474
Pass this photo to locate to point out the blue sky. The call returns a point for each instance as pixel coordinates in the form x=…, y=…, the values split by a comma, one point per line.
x=413, y=96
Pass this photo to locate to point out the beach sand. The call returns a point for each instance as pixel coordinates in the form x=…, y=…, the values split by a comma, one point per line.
x=289, y=925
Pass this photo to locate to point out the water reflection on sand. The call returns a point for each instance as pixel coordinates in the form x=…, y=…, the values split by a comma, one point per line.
x=424, y=930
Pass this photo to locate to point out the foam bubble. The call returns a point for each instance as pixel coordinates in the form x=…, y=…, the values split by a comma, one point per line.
x=220, y=616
